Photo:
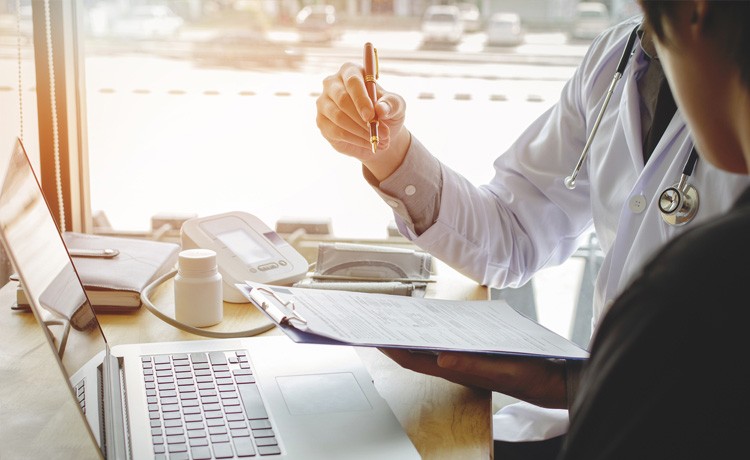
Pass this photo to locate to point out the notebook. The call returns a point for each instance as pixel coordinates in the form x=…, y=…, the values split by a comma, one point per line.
x=259, y=397
x=114, y=284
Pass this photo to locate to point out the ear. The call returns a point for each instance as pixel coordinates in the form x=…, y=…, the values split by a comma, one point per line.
x=699, y=15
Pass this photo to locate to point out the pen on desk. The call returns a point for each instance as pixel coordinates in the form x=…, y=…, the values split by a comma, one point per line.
x=96, y=253
x=371, y=75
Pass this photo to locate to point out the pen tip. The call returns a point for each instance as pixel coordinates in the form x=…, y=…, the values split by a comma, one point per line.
x=374, y=146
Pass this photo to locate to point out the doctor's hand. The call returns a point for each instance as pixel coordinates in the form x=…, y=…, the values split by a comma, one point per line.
x=344, y=111
x=535, y=380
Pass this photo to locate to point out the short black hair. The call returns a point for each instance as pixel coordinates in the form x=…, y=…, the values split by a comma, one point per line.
x=728, y=22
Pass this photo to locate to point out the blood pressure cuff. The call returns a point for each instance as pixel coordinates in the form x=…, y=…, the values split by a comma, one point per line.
x=368, y=262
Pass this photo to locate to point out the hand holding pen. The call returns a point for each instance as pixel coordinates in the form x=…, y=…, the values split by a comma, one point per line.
x=371, y=76
x=345, y=110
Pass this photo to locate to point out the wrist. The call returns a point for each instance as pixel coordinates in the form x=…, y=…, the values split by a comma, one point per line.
x=386, y=162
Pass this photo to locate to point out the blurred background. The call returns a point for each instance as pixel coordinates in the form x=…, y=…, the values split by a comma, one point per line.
x=197, y=107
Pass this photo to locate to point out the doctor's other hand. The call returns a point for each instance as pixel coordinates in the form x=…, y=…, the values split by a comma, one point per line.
x=344, y=111
x=538, y=381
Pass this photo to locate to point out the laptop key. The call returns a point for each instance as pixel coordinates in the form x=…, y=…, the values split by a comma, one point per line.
x=266, y=442
x=217, y=430
x=235, y=417
x=178, y=439
x=200, y=433
x=267, y=433
x=269, y=450
x=174, y=431
x=201, y=453
x=250, y=395
x=237, y=425
x=194, y=425
x=196, y=442
x=198, y=358
x=240, y=433
x=244, y=447
x=177, y=448
x=260, y=424
x=217, y=357
x=215, y=422
x=219, y=438
x=223, y=450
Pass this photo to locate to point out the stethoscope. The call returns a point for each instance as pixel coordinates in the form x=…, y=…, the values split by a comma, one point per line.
x=678, y=204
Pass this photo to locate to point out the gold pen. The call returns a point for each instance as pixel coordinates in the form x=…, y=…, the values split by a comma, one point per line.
x=371, y=75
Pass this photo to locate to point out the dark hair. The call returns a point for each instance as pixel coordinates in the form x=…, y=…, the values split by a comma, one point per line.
x=727, y=21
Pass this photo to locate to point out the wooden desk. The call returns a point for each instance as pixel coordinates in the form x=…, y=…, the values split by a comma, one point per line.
x=39, y=420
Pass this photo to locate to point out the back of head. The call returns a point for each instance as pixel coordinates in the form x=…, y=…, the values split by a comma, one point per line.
x=726, y=22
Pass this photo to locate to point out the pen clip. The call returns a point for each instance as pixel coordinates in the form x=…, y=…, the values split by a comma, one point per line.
x=282, y=317
x=377, y=63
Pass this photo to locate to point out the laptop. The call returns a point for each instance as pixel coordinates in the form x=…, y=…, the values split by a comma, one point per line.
x=257, y=397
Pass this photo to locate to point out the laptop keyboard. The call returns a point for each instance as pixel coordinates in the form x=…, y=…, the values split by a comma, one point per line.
x=206, y=405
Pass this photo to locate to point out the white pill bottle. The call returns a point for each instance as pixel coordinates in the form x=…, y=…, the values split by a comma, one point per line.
x=198, y=289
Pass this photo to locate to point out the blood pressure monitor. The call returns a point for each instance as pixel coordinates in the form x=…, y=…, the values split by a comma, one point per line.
x=246, y=249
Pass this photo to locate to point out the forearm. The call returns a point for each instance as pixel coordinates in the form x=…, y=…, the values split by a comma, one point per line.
x=573, y=371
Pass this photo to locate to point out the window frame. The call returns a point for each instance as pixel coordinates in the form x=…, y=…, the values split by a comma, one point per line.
x=67, y=78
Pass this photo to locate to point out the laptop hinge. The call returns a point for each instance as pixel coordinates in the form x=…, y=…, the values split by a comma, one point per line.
x=114, y=425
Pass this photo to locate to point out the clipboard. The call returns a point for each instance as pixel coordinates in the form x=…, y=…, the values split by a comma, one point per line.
x=283, y=315
x=383, y=321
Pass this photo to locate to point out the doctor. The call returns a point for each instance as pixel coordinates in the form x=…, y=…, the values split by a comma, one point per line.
x=536, y=209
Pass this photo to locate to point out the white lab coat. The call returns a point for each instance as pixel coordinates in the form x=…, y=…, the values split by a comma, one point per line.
x=502, y=233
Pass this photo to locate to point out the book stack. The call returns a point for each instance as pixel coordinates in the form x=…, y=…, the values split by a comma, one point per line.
x=114, y=284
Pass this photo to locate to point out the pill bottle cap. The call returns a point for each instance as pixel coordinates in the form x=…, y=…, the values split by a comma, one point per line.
x=197, y=262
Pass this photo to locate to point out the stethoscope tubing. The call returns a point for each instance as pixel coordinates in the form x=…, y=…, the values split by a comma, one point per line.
x=570, y=181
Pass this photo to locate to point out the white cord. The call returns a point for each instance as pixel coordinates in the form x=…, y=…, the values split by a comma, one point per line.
x=194, y=330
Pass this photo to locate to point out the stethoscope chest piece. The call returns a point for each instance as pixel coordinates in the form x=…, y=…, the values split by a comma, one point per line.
x=679, y=204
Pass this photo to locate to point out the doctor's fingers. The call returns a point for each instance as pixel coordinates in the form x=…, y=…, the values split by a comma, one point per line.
x=346, y=89
x=391, y=108
x=426, y=363
x=536, y=380
x=350, y=139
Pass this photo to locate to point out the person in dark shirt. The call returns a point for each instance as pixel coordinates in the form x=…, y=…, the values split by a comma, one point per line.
x=665, y=378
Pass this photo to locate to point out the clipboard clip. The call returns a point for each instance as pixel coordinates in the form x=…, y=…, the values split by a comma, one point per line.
x=281, y=312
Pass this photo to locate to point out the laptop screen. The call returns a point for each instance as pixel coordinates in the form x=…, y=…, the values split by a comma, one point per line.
x=35, y=246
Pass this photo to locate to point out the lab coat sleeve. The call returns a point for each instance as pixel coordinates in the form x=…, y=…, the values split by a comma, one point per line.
x=503, y=232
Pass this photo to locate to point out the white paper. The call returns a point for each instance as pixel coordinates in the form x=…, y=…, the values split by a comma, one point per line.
x=385, y=320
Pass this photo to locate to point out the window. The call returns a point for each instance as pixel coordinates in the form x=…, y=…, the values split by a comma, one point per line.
x=205, y=106
x=17, y=88
x=201, y=107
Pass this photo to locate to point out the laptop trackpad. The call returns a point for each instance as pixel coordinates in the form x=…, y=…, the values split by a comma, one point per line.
x=322, y=393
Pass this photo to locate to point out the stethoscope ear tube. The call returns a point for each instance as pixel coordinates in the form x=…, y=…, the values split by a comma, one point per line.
x=570, y=181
